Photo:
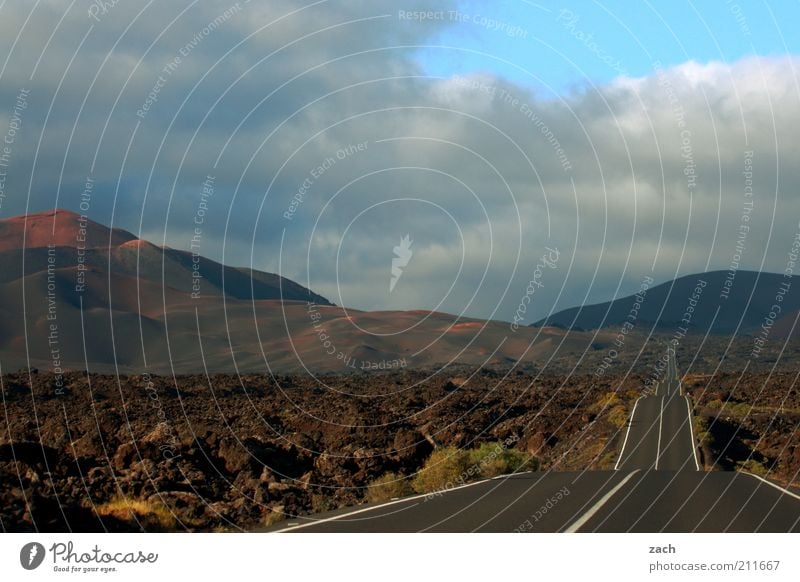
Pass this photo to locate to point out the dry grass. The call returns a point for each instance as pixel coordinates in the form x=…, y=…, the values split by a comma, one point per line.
x=274, y=514
x=443, y=469
x=387, y=487
x=753, y=466
x=742, y=409
x=153, y=516
x=613, y=407
x=450, y=467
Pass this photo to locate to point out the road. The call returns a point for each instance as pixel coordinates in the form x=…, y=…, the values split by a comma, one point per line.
x=660, y=432
x=657, y=487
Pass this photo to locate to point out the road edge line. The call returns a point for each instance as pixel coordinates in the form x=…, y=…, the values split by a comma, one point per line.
x=388, y=503
x=660, y=427
x=581, y=521
x=768, y=482
x=691, y=432
x=627, y=433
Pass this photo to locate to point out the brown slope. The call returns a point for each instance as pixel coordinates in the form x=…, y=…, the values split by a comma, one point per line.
x=57, y=227
x=132, y=257
x=63, y=322
x=242, y=319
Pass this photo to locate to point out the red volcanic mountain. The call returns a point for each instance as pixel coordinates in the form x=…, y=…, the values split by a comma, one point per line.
x=86, y=246
x=87, y=296
x=60, y=228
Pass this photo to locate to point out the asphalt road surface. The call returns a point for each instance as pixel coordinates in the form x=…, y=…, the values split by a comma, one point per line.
x=660, y=432
x=656, y=487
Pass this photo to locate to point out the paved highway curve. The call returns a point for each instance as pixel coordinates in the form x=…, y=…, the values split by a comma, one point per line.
x=657, y=487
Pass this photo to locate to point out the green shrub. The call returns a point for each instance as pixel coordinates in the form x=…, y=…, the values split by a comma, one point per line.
x=741, y=409
x=450, y=467
x=387, y=487
x=491, y=460
x=442, y=470
x=701, y=432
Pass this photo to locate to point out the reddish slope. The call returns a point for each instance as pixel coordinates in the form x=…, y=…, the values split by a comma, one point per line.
x=59, y=228
x=128, y=256
x=135, y=311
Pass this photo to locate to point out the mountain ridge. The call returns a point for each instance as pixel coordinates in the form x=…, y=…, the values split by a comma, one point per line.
x=63, y=238
x=124, y=304
x=137, y=309
x=748, y=300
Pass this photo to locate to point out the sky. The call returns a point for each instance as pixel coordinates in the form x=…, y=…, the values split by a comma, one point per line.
x=561, y=47
x=619, y=140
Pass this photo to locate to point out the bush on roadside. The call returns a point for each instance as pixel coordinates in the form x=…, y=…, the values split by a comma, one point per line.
x=493, y=460
x=754, y=467
x=443, y=469
x=738, y=410
x=450, y=467
x=613, y=407
x=701, y=431
x=387, y=487
x=153, y=516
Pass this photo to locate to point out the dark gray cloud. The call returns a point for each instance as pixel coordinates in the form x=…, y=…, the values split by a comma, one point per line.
x=641, y=176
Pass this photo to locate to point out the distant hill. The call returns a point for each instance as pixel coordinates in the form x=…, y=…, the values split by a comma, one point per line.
x=749, y=301
x=75, y=294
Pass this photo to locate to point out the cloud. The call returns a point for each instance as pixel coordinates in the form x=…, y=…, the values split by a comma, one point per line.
x=640, y=176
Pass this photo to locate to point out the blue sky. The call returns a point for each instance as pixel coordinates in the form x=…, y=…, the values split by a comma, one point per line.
x=568, y=45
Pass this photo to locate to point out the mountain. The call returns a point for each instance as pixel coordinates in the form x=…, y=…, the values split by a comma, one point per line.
x=83, y=245
x=708, y=302
x=60, y=228
x=85, y=294
x=75, y=294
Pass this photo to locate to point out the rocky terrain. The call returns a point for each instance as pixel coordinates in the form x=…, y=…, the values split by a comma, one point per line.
x=228, y=453
x=641, y=350
x=223, y=453
x=749, y=421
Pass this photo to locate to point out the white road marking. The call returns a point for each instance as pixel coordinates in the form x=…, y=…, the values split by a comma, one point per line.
x=627, y=433
x=689, y=417
x=691, y=433
x=660, y=425
x=778, y=487
x=388, y=503
x=599, y=505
